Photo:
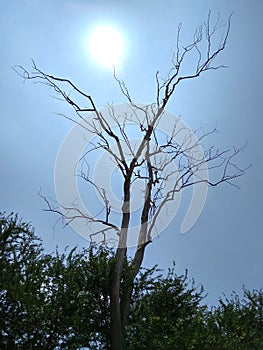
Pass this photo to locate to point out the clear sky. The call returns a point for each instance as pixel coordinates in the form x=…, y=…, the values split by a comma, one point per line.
x=224, y=249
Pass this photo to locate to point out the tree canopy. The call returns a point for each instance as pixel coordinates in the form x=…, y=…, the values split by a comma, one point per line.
x=61, y=301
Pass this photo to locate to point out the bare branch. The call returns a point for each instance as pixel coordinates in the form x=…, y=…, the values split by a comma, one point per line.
x=73, y=213
x=204, y=58
x=51, y=80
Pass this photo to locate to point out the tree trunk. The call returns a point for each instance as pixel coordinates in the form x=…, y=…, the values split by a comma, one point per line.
x=116, y=335
x=117, y=338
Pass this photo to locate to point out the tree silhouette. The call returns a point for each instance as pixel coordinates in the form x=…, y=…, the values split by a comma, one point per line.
x=162, y=166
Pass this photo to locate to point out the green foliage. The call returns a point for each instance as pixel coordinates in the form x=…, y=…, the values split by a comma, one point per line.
x=166, y=313
x=61, y=301
x=237, y=323
x=20, y=281
x=50, y=300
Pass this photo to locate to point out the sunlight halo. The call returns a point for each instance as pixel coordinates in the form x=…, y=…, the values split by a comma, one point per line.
x=106, y=45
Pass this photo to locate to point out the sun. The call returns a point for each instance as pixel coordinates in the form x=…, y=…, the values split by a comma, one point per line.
x=106, y=46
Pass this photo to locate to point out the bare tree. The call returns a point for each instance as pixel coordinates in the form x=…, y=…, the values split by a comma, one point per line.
x=149, y=161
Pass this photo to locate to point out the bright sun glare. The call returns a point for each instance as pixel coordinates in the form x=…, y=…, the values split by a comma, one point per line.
x=106, y=46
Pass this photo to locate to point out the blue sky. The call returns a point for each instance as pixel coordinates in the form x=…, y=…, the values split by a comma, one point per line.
x=224, y=249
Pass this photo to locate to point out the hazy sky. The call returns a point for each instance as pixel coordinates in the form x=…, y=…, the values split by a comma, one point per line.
x=224, y=249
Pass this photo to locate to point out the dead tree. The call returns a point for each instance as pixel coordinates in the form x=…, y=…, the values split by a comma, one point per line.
x=148, y=161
